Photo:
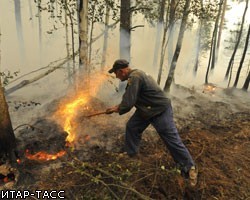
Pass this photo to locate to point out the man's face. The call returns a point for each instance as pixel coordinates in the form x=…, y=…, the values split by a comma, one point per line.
x=121, y=74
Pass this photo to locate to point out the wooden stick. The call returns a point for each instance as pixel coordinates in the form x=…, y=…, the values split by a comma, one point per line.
x=98, y=113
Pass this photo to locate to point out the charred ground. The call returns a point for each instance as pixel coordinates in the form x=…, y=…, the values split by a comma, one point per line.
x=215, y=126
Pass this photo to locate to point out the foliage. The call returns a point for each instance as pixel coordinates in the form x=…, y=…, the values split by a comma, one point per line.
x=96, y=10
x=233, y=35
x=149, y=9
x=7, y=76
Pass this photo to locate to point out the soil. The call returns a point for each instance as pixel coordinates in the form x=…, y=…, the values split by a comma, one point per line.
x=213, y=124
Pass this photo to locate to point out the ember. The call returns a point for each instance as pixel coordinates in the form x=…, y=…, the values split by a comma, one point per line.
x=209, y=88
x=18, y=161
x=43, y=156
x=7, y=178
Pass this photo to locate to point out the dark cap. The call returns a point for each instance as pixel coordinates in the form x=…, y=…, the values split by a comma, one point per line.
x=119, y=64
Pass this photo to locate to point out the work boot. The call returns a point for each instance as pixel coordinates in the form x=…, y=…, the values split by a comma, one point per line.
x=193, y=175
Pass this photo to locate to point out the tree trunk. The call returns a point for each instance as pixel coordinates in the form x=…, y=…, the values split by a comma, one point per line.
x=19, y=29
x=230, y=65
x=92, y=24
x=160, y=26
x=242, y=58
x=168, y=27
x=70, y=72
x=40, y=27
x=125, y=25
x=246, y=84
x=172, y=13
x=7, y=137
x=105, y=37
x=83, y=34
x=198, y=46
x=221, y=24
x=212, y=55
x=215, y=36
x=178, y=47
x=31, y=13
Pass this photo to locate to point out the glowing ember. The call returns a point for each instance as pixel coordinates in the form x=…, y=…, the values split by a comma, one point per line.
x=210, y=88
x=43, y=156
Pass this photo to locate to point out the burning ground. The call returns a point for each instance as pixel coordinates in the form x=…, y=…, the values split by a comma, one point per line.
x=65, y=150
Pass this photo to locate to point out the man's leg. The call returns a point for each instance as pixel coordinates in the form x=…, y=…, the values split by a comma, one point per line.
x=165, y=126
x=134, y=128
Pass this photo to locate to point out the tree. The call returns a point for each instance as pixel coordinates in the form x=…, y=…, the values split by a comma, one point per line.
x=83, y=33
x=168, y=27
x=212, y=56
x=198, y=44
x=125, y=29
x=215, y=37
x=7, y=136
x=242, y=58
x=246, y=84
x=105, y=37
x=230, y=65
x=19, y=28
x=178, y=47
x=160, y=27
x=39, y=9
x=221, y=24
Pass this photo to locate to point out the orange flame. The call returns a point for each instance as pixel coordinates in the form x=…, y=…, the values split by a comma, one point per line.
x=68, y=113
x=65, y=116
x=43, y=156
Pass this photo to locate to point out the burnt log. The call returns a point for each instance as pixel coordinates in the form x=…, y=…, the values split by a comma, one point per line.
x=7, y=137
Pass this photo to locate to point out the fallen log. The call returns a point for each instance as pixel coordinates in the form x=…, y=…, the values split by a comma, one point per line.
x=27, y=82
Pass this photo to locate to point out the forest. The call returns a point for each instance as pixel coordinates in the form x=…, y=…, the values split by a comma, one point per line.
x=55, y=87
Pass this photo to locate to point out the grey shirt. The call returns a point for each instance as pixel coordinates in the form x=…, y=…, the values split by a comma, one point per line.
x=144, y=93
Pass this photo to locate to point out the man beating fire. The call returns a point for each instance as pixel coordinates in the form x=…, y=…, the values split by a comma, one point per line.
x=152, y=107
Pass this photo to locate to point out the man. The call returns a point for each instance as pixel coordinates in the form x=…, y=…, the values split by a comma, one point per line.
x=152, y=107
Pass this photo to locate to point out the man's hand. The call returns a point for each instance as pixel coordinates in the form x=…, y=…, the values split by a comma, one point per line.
x=112, y=110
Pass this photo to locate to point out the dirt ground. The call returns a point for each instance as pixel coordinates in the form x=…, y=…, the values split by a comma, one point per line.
x=213, y=124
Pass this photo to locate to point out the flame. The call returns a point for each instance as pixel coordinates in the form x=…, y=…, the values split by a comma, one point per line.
x=43, y=156
x=210, y=88
x=65, y=116
x=68, y=113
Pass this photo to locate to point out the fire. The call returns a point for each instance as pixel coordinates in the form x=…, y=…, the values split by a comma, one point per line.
x=210, y=88
x=66, y=117
x=43, y=156
x=68, y=113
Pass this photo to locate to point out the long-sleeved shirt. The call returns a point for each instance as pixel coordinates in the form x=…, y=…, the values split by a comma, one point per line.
x=145, y=94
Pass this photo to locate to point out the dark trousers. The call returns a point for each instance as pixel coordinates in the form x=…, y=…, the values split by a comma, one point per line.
x=165, y=126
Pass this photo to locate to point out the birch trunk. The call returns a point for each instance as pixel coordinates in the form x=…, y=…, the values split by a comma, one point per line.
x=105, y=39
x=178, y=47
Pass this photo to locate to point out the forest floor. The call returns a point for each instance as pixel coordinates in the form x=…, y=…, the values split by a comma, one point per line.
x=213, y=123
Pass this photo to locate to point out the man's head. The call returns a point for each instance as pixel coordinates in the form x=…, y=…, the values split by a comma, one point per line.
x=121, y=69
